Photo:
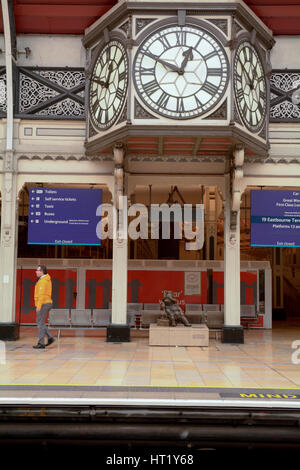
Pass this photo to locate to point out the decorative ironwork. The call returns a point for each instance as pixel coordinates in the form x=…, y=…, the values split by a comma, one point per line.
x=66, y=79
x=284, y=80
x=222, y=24
x=220, y=113
x=237, y=28
x=33, y=93
x=92, y=130
x=123, y=116
x=141, y=23
x=66, y=107
x=51, y=93
x=56, y=93
x=3, y=105
x=125, y=27
x=140, y=112
x=285, y=111
x=282, y=86
x=263, y=133
x=236, y=116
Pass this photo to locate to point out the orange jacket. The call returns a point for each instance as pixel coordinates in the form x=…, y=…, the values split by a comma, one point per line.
x=43, y=291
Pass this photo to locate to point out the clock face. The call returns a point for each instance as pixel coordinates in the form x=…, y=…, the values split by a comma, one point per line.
x=250, y=86
x=180, y=71
x=108, y=85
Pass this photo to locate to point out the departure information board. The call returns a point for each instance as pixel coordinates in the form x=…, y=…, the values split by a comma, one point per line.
x=275, y=218
x=63, y=216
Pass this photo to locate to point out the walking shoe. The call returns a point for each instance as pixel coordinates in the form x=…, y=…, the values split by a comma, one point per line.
x=39, y=346
x=50, y=341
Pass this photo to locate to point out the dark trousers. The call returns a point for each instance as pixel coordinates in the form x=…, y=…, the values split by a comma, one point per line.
x=41, y=324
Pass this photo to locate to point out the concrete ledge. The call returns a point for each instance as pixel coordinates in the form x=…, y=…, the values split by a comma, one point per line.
x=9, y=331
x=233, y=334
x=180, y=335
x=118, y=334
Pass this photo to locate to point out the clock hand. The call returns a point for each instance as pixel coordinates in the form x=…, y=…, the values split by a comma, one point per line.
x=100, y=82
x=110, y=69
x=248, y=79
x=256, y=96
x=188, y=54
x=255, y=77
x=163, y=62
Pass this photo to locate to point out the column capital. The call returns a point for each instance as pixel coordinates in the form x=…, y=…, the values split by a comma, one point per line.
x=119, y=153
x=238, y=184
x=9, y=164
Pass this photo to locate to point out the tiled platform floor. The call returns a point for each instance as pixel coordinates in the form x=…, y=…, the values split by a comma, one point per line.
x=89, y=366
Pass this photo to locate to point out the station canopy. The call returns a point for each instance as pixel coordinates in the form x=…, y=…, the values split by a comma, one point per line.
x=73, y=16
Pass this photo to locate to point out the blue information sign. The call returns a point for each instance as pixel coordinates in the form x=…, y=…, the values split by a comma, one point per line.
x=63, y=216
x=275, y=218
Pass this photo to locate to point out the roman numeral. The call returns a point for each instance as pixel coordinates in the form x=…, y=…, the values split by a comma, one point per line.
x=240, y=94
x=94, y=94
x=104, y=115
x=112, y=52
x=214, y=71
x=239, y=79
x=210, y=88
x=120, y=61
x=250, y=52
x=253, y=119
x=119, y=94
x=95, y=107
x=210, y=55
x=180, y=105
x=244, y=55
x=122, y=76
x=146, y=72
x=163, y=99
x=260, y=108
x=196, y=45
x=164, y=41
x=262, y=94
x=105, y=56
x=198, y=102
x=151, y=87
x=180, y=38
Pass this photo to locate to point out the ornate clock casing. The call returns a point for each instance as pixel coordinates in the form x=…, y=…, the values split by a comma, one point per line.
x=108, y=84
x=160, y=66
x=250, y=86
x=180, y=72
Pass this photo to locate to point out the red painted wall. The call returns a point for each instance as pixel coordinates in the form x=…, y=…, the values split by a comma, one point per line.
x=26, y=279
x=149, y=285
x=144, y=286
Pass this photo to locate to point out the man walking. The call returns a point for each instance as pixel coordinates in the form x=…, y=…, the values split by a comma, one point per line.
x=43, y=304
